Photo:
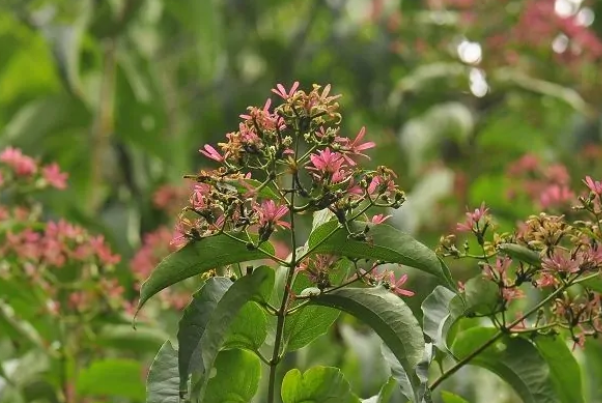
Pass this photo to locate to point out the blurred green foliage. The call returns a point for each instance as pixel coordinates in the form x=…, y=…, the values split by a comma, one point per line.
x=122, y=94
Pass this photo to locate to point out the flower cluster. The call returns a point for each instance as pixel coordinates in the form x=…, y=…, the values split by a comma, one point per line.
x=558, y=257
x=17, y=167
x=299, y=140
x=548, y=186
x=69, y=265
x=289, y=159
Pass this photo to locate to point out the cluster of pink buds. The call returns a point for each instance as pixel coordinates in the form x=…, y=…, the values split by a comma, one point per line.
x=560, y=258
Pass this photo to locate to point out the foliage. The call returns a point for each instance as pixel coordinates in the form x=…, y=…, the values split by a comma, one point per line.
x=464, y=102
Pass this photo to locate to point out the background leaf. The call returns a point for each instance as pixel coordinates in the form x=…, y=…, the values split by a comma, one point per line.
x=112, y=377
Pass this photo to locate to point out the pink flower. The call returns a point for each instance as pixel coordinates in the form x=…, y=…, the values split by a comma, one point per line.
x=103, y=251
x=555, y=195
x=270, y=214
x=379, y=218
x=472, y=219
x=281, y=91
x=21, y=164
x=395, y=286
x=355, y=147
x=53, y=175
x=327, y=163
x=211, y=153
x=499, y=270
x=560, y=261
x=594, y=186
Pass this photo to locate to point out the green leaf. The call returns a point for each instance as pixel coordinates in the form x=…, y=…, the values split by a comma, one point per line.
x=449, y=397
x=385, y=243
x=317, y=385
x=196, y=258
x=482, y=295
x=385, y=393
x=515, y=360
x=194, y=322
x=388, y=316
x=162, y=384
x=237, y=374
x=441, y=309
x=249, y=329
x=112, y=377
x=566, y=373
x=309, y=322
x=124, y=337
x=593, y=369
x=521, y=253
x=241, y=292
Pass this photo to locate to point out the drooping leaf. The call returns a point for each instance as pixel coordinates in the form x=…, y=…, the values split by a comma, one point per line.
x=242, y=291
x=162, y=383
x=196, y=258
x=317, y=385
x=112, y=377
x=566, y=373
x=388, y=316
x=482, y=295
x=441, y=309
x=521, y=253
x=237, y=374
x=385, y=243
x=194, y=322
x=449, y=397
x=515, y=360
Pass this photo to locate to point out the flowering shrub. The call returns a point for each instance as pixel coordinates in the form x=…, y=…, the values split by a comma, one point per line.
x=292, y=160
x=61, y=298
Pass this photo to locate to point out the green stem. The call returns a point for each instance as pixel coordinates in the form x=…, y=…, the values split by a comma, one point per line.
x=284, y=305
x=503, y=332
